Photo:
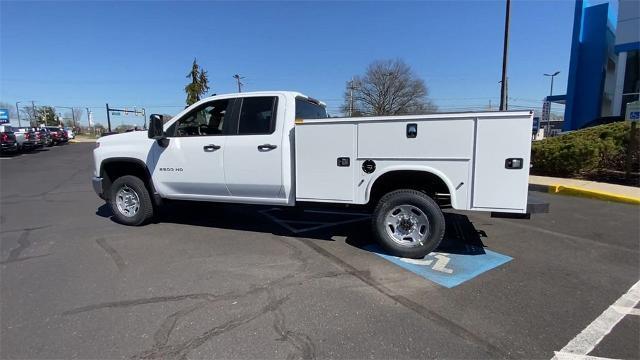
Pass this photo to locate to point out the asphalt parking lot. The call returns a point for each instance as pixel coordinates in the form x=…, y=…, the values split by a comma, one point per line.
x=221, y=281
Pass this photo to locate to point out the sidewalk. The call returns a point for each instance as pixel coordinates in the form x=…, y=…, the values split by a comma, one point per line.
x=82, y=140
x=585, y=188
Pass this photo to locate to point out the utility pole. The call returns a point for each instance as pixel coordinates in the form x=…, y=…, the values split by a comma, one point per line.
x=351, y=88
x=238, y=78
x=33, y=106
x=505, y=52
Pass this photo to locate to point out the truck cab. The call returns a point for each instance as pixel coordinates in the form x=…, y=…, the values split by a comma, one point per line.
x=229, y=148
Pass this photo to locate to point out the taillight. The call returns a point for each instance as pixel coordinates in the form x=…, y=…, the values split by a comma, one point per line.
x=4, y=137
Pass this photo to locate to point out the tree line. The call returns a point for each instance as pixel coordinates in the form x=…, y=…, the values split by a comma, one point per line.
x=387, y=87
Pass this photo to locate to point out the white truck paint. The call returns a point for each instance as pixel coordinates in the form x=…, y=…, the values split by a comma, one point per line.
x=297, y=159
x=466, y=150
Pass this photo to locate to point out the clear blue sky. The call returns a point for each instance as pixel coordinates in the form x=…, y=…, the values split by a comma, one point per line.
x=138, y=53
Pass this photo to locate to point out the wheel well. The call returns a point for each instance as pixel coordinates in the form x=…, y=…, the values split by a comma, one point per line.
x=111, y=170
x=423, y=181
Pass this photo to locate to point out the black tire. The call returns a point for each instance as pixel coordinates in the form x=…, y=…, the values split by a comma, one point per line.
x=145, y=208
x=425, y=205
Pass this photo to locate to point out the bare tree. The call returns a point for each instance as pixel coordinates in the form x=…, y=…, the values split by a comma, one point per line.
x=77, y=115
x=389, y=87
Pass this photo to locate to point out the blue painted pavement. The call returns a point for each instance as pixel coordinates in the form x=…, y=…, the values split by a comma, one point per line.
x=449, y=269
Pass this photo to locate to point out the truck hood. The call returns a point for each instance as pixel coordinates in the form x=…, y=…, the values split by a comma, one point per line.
x=128, y=137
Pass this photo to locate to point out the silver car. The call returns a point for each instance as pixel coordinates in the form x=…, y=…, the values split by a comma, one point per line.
x=26, y=138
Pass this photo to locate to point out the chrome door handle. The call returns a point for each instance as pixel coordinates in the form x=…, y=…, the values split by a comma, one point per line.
x=266, y=147
x=211, y=147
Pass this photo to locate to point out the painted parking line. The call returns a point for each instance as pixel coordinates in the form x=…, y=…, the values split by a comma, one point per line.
x=580, y=346
x=448, y=269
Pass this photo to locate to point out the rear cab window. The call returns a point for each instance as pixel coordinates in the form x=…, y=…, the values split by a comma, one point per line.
x=306, y=109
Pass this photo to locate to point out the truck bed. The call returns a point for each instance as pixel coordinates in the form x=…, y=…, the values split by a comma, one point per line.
x=468, y=151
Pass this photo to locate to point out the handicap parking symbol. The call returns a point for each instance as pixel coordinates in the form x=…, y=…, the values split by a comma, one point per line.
x=448, y=269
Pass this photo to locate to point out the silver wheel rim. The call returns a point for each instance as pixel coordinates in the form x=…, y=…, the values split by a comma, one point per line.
x=407, y=225
x=127, y=201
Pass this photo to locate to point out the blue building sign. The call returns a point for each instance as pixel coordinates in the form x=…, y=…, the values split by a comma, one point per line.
x=4, y=116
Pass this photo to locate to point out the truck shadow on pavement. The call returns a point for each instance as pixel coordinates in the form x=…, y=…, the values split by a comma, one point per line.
x=323, y=223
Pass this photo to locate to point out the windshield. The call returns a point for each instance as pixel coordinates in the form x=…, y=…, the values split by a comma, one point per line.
x=307, y=110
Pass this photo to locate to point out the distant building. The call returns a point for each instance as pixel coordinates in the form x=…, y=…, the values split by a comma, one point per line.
x=603, y=69
x=627, y=83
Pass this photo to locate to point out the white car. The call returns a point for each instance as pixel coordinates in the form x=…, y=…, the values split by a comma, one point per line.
x=70, y=133
x=279, y=148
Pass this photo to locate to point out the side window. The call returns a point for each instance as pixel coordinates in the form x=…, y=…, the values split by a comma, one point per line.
x=308, y=110
x=257, y=115
x=206, y=120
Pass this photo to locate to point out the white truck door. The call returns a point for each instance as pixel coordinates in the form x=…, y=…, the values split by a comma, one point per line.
x=501, y=176
x=253, y=156
x=192, y=163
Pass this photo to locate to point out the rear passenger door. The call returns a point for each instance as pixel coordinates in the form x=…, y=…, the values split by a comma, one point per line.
x=253, y=155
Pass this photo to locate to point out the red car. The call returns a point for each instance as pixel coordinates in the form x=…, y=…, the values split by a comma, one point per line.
x=58, y=135
x=7, y=140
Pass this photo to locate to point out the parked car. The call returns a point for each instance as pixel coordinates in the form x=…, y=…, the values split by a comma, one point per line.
x=25, y=137
x=43, y=136
x=7, y=139
x=70, y=133
x=56, y=135
x=64, y=135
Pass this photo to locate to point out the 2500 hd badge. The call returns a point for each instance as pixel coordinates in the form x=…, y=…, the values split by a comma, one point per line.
x=170, y=169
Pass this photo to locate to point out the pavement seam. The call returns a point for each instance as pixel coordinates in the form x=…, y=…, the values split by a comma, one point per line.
x=564, y=236
x=424, y=312
x=113, y=254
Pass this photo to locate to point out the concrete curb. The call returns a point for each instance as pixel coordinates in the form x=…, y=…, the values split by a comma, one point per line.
x=79, y=141
x=581, y=192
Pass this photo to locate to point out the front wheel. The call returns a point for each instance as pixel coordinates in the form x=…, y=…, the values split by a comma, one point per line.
x=408, y=223
x=130, y=201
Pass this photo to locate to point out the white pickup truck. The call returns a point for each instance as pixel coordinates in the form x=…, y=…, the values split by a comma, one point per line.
x=280, y=148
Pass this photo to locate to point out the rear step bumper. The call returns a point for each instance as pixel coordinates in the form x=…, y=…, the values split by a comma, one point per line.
x=534, y=206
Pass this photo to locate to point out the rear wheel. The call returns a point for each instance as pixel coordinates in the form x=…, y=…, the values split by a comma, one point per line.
x=408, y=223
x=130, y=201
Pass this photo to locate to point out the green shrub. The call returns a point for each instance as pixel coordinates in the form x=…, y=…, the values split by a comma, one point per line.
x=584, y=152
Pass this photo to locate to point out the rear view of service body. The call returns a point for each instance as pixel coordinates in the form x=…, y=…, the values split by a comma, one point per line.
x=280, y=148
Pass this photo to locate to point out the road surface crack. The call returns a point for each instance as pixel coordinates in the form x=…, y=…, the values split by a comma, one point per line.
x=117, y=259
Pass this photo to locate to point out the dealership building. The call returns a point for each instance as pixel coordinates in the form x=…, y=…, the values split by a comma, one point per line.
x=604, y=66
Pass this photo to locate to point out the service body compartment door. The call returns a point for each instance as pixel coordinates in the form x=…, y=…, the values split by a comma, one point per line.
x=319, y=176
x=501, y=172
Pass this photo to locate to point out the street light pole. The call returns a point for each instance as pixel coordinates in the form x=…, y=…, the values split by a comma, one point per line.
x=18, y=111
x=549, y=101
x=505, y=52
x=238, y=78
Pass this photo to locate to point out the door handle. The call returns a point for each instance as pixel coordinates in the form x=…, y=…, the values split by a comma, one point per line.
x=266, y=147
x=211, y=147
